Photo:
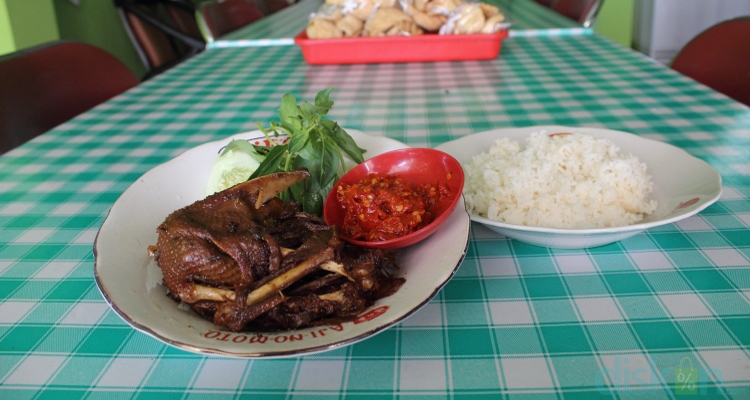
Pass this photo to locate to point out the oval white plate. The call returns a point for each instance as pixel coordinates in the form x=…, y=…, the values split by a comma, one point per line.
x=683, y=185
x=131, y=283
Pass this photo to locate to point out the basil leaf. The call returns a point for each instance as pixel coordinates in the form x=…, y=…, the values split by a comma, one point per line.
x=315, y=144
x=321, y=159
x=302, y=191
x=288, y=114
x=309, y=161
x=330, y=160
x=263, y=150
x=296, y=192
x=312, y=111
x=345, y=141
x=274, y=162
x=322, y=100
x=312, y=203
x=299, y=141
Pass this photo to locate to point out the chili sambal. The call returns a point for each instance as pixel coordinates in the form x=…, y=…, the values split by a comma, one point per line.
x=382, y=207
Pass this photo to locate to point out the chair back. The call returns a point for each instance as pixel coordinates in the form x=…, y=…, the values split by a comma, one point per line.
x=182, y=15
x=275, y=5
x=719, y=58
x=155, y=44
x=47, y=85
x=546, y=3
x=217, y=19
x=583, y=11
x=158, y=40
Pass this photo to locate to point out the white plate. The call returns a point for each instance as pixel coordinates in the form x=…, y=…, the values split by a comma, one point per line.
x=131, y=283
x=683, y=185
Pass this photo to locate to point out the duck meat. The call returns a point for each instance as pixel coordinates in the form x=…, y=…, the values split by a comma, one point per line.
x=247, y=260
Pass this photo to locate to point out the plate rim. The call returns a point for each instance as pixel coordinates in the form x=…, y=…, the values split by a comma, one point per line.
x=183, y=345
x=640, y=226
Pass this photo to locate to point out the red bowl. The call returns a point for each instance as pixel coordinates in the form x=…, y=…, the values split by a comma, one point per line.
x=417, y=166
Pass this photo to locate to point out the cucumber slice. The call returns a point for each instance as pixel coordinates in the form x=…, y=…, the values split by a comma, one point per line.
x=234, y=165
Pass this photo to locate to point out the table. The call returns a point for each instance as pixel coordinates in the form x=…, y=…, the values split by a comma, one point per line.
x=642, y=317
x=279, y=29
x=530, y=18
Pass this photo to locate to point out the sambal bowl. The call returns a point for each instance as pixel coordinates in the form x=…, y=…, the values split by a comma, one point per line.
x=417, y=166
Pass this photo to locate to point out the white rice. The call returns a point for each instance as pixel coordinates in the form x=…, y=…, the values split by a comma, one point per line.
x=566, y=181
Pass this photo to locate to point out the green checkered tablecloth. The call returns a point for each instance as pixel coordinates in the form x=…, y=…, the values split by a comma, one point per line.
x=663, y=314
x=279, y=29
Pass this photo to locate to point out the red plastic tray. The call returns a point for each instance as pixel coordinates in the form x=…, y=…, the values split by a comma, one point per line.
x=428, y=47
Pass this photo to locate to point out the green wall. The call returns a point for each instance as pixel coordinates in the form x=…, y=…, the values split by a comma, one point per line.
x=615, y=21
x=26, y=23
x=97, y=22
x=7, y=42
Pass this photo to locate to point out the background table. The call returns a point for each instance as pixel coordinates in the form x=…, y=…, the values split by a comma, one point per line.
x=522, y=321
x=528, y=18
x=277, y=29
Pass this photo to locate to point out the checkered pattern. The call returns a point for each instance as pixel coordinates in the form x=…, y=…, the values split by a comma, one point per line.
x=527, y=17
x=626, y=319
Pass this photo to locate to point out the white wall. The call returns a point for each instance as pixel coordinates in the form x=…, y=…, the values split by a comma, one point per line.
x=663, y=27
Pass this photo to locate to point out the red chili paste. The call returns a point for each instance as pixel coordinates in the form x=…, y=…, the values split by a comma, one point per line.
x=383, y=207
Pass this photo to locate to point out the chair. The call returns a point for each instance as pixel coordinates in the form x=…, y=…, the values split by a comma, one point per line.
x=46, y=85
x=719, y=58
x=273, y=6
x=546, y=3
x=217, y=19
x=583, y=11
x=182, y=14
x=160, y=42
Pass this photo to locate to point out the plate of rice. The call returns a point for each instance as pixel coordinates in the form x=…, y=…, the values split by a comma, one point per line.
x=574, y=188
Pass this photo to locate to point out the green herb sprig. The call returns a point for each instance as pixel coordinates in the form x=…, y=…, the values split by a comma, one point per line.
x=315, y=143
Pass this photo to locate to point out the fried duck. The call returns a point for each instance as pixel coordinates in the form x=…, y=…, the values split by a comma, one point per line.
x=247, y=260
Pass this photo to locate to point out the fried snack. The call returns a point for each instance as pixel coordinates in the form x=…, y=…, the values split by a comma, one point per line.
x=494, y=23
x=442, y=7
x=350, y=25
x=321, y=28
x=405, y=28
x=387, y=21
x=330, y=12
x=428, y=22
x=420, y=5
x=361, y=9
x=361, y=18
x=489, y=10
x=466, y=19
